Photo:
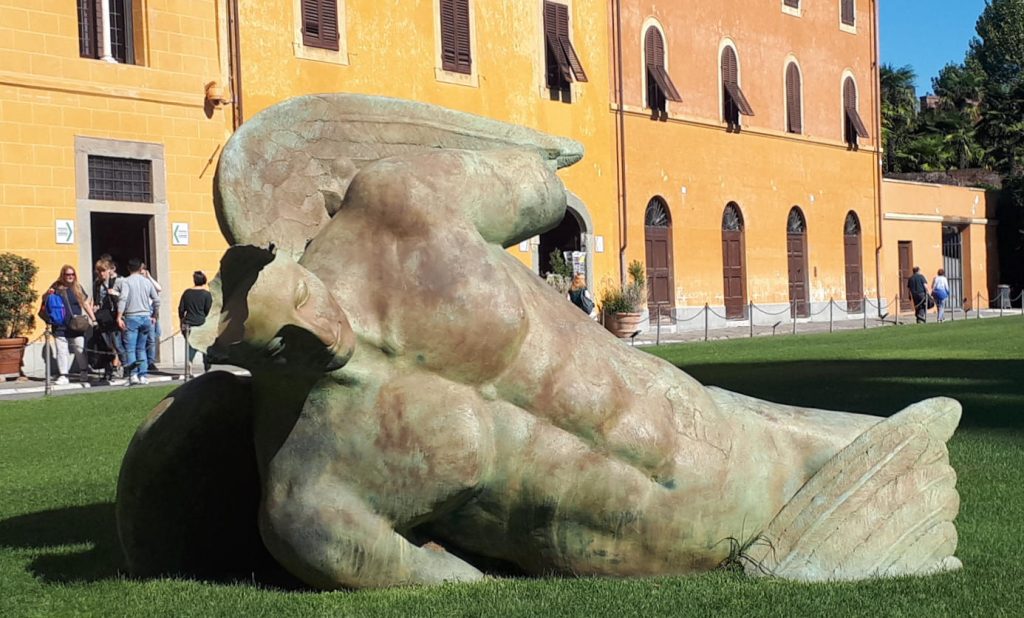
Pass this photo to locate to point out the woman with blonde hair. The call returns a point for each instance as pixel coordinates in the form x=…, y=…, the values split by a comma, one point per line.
x=580, y=296
x=69, y=314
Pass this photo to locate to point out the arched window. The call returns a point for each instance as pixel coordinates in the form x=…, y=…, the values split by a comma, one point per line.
x=734, y=263
x=852, y=258
x=796, y=254
x=794, y=103
x=659, y=85
x=734, y=102
x=853, y=126
x=661, y=295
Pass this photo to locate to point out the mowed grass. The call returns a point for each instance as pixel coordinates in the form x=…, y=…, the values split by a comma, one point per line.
x=59, y=460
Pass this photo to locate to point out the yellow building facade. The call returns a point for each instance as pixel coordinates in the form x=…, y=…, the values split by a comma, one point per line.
x=107, y=144
x=772, y=201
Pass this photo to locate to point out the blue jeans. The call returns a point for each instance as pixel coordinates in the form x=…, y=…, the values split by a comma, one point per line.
x=136, y=336
x=152, y=341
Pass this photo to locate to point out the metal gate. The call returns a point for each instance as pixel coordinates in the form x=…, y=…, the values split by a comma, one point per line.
x=952, y=261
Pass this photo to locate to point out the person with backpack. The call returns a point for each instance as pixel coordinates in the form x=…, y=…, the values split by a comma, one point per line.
x=580, y=296
x=69, y=315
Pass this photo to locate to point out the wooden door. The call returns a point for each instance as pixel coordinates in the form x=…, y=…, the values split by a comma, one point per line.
x=906, y=253
x=659, y=270
x=854, y=274
x=796, y=251
x=735, y=275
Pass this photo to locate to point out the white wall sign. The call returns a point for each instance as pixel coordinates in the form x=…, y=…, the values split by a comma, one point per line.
x=65, y=231
x=179, y=233
x=599, y=244
x=524, y=247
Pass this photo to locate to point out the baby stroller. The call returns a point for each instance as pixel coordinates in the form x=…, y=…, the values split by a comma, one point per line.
x=101, y=355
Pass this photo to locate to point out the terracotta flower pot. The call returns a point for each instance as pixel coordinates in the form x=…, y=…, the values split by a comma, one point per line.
x=11, y=351
x=622, y=325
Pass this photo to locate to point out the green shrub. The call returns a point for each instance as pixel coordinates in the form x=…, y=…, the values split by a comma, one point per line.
x=17, y=295
x=628, y=298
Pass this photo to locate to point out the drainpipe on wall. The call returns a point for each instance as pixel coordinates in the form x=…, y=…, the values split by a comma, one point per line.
x=620, y=138
x=876, y=88
x=234, y=64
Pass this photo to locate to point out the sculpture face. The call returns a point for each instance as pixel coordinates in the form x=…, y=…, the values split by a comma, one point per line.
x=458, y=401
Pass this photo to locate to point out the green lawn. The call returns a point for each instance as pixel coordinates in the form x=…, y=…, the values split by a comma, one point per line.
x=59, y=460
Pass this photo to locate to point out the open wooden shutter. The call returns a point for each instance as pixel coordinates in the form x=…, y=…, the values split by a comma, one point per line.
x=849, y=15
x=850, y=105
x=730, y=79
x=654, y=49
x=455, y=48
x=555, y=52
x=562, y=26
x=320, y=24
x=794, y=120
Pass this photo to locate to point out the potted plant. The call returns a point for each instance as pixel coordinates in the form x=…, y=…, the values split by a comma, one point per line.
x=560, y=276
x=17, y=318
x=622, y=306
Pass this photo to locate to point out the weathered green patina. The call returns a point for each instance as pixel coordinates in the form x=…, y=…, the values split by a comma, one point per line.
x=422, y=405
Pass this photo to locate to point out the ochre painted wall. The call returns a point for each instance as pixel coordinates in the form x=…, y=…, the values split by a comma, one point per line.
x=392, y=49
x=49, y=96
x=916, y=212
x=691, y=161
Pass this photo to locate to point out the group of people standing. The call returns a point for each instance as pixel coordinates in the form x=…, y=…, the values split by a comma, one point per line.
x=123, y=316
x=924, y=299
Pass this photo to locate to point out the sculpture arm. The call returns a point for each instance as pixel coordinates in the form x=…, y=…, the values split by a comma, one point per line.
x=509, y=195
x=326, y=535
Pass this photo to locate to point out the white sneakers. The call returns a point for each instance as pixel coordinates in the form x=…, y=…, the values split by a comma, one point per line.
x=61, y=381
x=133, y=380
x=143, y=380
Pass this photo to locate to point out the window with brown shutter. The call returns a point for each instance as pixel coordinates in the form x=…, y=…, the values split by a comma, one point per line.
x=734, y=102
x=455, y=49
x=563, y=64
x=853, y=126
x=792, y=3
x=320, y=24
x=794, y=111
x=659, y=85
x=849, y=13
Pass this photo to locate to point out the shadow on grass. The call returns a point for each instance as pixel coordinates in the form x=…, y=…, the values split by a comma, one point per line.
x=47, y=531
x=991, y=392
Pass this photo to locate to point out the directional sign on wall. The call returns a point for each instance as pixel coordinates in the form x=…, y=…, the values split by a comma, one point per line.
x=65, y=231
x=179, y=233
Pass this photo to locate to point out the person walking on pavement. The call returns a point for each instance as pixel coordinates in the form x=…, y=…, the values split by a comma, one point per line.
x=106, y=291
x=918, y=286
x=940, y=292
x=67, y=310
x=193, y=308
x=137, y=311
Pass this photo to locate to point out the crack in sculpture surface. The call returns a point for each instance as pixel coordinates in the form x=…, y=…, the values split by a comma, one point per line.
x=424, y=408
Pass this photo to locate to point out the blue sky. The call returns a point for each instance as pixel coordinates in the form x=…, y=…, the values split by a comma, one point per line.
x=926, y=34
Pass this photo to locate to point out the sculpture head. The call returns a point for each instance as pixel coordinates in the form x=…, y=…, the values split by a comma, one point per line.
x=274, y=312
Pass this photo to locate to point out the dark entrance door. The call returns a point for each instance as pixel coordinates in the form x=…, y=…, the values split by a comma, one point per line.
x=853, y=259
x=567, y=236
x=953, y=263
x=906, y=255
x=733, y=267
x=123, y=237
x=796, y=252
x=658, y=247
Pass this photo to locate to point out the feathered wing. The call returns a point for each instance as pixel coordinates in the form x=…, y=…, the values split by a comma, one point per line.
x=883, y=506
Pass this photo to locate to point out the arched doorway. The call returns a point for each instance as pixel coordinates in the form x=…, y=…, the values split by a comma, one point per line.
x=853, y=258
x=567, y=236
x=734, y=269
x=796, y=253
x=658, y=247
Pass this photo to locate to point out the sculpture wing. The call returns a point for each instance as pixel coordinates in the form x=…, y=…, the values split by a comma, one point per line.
x=283, y=173
x=883, y=506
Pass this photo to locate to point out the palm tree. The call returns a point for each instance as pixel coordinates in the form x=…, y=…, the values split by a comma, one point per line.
x=899, y=112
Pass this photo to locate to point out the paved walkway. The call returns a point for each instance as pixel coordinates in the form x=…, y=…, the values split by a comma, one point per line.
x=36, y=387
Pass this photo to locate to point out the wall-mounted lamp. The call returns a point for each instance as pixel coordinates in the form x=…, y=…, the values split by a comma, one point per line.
x=216, y=96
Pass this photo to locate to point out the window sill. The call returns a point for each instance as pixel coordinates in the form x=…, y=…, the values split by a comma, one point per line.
x=320, y=55
x=795, y=12
x=848, y=28
x=471, y=80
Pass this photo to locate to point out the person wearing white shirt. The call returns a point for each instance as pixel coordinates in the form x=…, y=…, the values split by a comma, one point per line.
x=940, y=292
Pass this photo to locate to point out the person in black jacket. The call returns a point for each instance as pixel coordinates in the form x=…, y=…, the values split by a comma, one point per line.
x=918, y=286
x=193, y=308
